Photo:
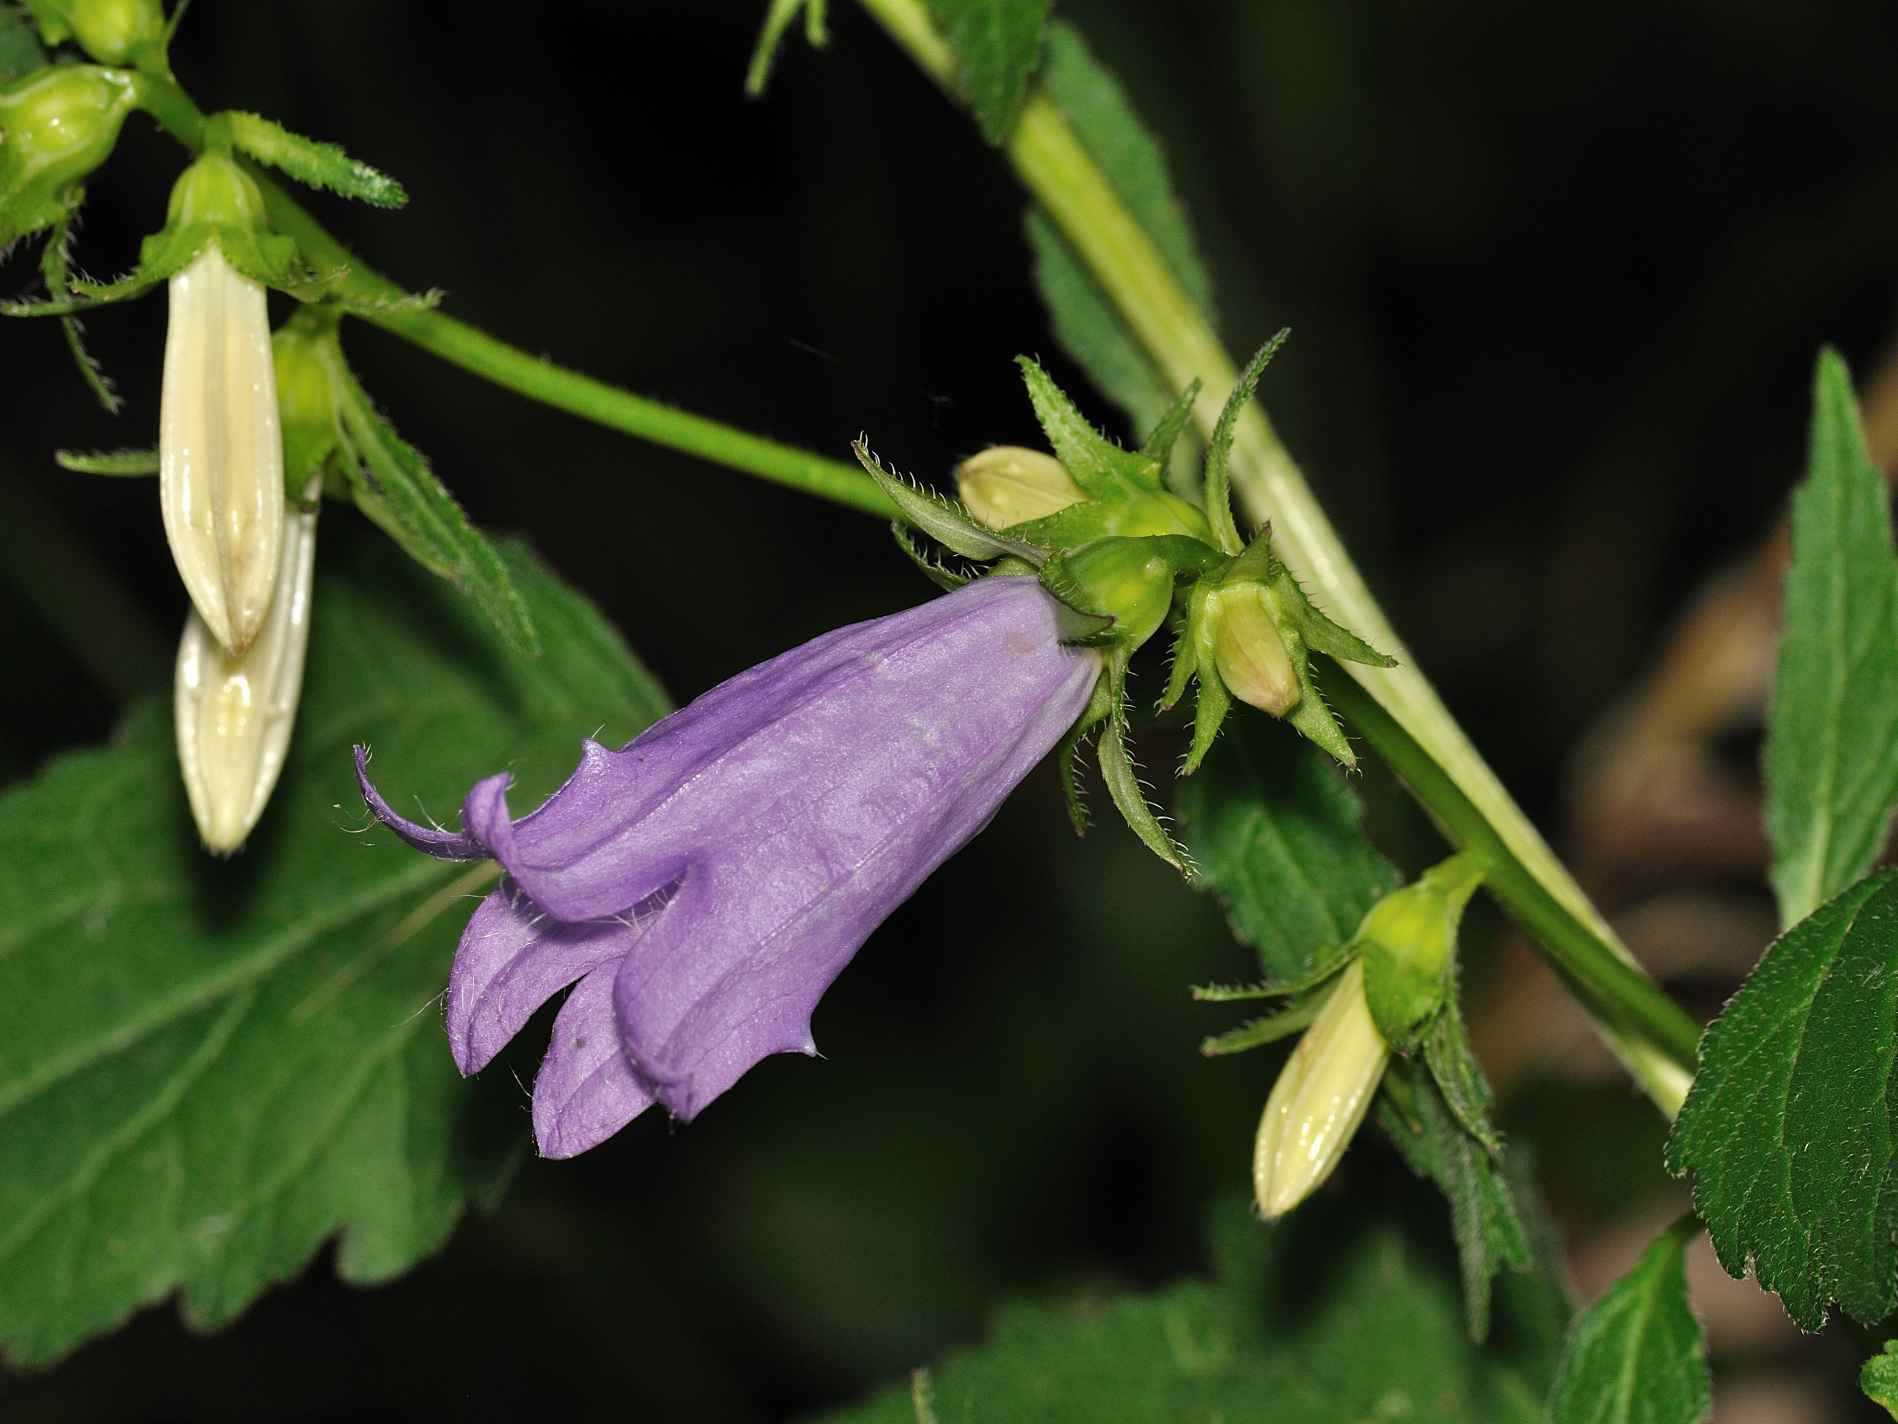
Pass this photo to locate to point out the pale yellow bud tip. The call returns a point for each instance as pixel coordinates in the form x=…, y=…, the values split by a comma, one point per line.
x=233, y=711
x=1250, y=651
x=1319, y=1100
x=1009, y=484
x=220, y=450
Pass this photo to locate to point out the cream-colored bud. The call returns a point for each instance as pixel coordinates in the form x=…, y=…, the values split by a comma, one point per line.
x=1320, y=1098
x=233, y=711
x=1010, y=484
x=220, y=451
x=1250, y=651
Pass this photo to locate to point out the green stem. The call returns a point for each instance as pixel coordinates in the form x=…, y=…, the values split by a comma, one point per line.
x=532, y=376
x=1058, y=171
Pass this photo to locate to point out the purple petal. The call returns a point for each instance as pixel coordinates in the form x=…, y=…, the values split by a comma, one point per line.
x=810, y=835
x=512, y=959
x=585, y=1090
x=443, y=845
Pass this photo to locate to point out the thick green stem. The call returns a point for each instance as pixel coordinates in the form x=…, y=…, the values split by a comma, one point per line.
x=532, y=376
x=1057, y=170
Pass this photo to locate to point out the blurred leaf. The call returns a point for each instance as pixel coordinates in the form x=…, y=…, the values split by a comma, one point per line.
x=1791, y=1127
x=996, y=44
x=208, y=1068
x=1879, y=1378
x=1832, y=736
x=1636, y=1355
x=1274, y=831
x=1483, y=1217
x=1085, y=321
x=1347, y=1322
x=394, y=485
x=1092, y=101
x=20, y=49
x=319, y=165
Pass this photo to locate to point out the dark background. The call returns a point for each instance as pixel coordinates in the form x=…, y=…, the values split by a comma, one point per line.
x=1556, y=281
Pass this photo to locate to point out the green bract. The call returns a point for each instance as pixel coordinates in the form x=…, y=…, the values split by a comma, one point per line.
x=58, y=125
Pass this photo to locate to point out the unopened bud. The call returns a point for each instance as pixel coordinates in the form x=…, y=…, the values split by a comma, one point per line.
x=56, y=126
x=233, y=711
x=1319, y=1100
x=111, y=31
x=1010, y=484
x=220, y=451
x=1251, y=653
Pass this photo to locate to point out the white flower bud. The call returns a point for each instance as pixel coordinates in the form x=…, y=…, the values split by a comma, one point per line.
x=1320, y=1098
x=1250, y=651
x=233, y=711
x=220, y=452
x=1010, y=484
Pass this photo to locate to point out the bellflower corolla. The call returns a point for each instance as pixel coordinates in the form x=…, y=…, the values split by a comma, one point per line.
x=707, y=882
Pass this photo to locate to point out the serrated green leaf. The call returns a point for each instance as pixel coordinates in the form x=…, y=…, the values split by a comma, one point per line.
x=1276, y=833
x=394, y=485
x=1483, y=1217
x=1636, y=1355
x=996, y=44
x=1267, y=1028
x=1458, y=1076
x=209, y=1068
x=931, y=568
x=1832, y=733
x=319, y=165
x=1879, y=1378
x=1340, y=1320
x=1171, y=425
x=119, y=463
x=1791, y=1128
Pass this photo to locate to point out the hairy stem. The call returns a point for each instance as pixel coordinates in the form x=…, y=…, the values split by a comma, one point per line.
x=532, y=376
x=1057, y=170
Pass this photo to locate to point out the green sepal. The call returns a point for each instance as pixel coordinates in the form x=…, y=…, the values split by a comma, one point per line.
x=117, y=463
x=1068, y=755
x=1408, y=940
x=777, y=20
x=1184, y=664
x=1132, y=514
x=1327, y=961
x=1097, y=464
x=1312, y=717
x=1268, y=1028
x=1214, y=702
x=56, y=270
x=318, y=165
x=945, y=520
x=1218, y=501
x=1319, y=633
x=1158, y=446
x=1123, y=782
x=945, y=578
